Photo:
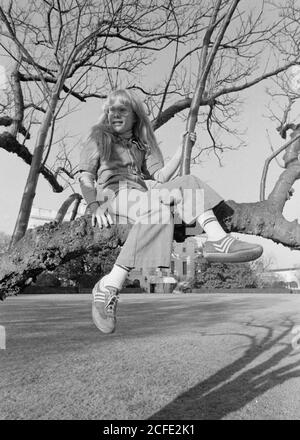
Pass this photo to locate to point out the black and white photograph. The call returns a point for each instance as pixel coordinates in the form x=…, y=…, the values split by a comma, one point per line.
x=149, y=214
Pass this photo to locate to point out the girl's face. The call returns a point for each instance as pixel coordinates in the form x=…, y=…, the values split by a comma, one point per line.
x=120, y=116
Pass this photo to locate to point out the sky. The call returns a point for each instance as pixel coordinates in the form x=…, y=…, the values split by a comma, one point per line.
x=238, y=178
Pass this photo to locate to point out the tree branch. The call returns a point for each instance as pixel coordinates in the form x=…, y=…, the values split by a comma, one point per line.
x=170, y=112
x=268, y=161
x=255, y=81
x=10, y=144
x=6, y=121
x=48, y=246
x=21, y=48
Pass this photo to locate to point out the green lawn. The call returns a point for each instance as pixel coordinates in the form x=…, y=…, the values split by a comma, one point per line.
x=173, y=357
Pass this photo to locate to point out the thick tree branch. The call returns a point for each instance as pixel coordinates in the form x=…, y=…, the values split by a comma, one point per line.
x=263, y=219
x=170, y=112
x=48, y=246
x=6, y=121
x=16, y=88
x=10, y=144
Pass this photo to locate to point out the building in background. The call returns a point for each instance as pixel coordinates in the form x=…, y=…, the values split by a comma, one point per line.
x=289, y=277
x=183, y=261
x=184, y=257
x=40, y=216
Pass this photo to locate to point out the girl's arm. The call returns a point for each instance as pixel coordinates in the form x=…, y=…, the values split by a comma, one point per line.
x=100, y=215
x=88, y=165
x=87, y=186
x=165, y=173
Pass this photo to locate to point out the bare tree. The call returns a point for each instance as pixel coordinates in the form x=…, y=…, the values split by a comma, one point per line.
x=235, y=46
x=60, y=47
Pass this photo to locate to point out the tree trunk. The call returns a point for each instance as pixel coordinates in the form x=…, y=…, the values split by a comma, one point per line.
x=32, y=180
x=205, y=65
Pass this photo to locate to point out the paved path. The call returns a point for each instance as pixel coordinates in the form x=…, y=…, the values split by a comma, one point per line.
x=173, y=357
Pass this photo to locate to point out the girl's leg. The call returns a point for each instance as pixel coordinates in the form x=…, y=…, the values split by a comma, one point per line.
x=211, y=226
x=105, y=298
x=150, y=239
x=117, y=276
x=149, y=242
x=197, y=202
x=127, y=207
x=222, y=247
x=147, y=245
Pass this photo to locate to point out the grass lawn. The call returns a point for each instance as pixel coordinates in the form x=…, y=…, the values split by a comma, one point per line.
x=173, y=357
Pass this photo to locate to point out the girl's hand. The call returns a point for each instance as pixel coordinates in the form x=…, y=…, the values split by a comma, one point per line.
x=192, y=136
x=102, y=217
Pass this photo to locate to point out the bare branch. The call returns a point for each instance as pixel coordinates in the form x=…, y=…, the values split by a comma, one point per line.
x=268, y=161
x=251, y=83
x=10, y=144
x=22, y=48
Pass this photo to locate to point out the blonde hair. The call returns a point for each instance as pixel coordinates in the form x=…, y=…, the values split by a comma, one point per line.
x=142, y=129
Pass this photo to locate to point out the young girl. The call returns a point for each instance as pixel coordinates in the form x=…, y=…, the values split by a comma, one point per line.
x=120, y=154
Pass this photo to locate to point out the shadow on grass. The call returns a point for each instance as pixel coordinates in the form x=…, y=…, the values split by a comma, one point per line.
x=169, y=316
x=231, y=388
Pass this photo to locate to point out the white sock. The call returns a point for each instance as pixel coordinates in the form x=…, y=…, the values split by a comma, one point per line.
x=211, y=226
x=116, y=277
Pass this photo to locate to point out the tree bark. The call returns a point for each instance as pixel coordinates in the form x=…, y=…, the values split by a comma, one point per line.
x=48, y=246
x=263, y=219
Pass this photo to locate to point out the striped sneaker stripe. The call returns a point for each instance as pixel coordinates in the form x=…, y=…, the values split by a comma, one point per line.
x=99, y=295
x=224, y=241
x=228, y=245
x=225, y=245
